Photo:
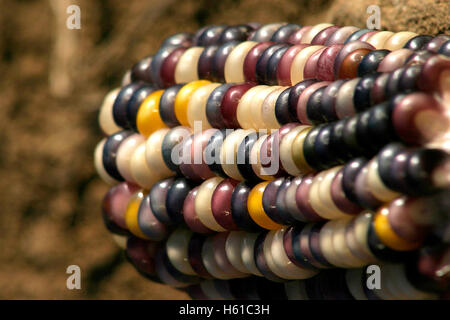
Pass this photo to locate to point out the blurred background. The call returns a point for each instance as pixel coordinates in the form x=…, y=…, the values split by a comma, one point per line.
x=52, y=82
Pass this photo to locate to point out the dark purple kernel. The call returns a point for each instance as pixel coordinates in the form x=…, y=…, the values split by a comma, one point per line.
x=110, y=148
x=205, y=61
x=369, y=64
x=120, y=104
x=350, y=172
x=167, y=107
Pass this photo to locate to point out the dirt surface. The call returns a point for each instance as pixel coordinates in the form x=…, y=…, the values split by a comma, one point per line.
x=50, y=195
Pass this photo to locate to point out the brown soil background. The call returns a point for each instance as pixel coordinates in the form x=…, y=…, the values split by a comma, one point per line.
x=49, y=192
